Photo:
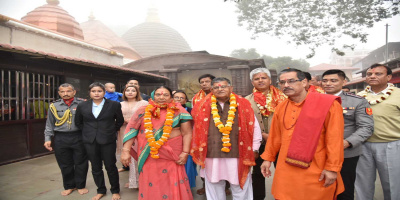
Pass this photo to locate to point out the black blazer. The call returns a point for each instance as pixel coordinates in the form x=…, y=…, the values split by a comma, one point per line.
x=104, y=128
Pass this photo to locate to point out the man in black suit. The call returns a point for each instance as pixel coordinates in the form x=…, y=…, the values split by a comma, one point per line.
x=100, y=119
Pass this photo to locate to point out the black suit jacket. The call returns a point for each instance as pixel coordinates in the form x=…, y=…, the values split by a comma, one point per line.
x=104, y=128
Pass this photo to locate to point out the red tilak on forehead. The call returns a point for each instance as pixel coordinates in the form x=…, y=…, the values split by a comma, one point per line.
x=162, y=92
x=219, y=84
x=373, y=70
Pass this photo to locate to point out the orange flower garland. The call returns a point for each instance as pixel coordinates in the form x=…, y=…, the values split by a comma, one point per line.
x=227, y=128
x=155, y=145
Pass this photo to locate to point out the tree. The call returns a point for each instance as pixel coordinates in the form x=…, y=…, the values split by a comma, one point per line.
x=315, y=22
x=278, y=63
x=245, y=54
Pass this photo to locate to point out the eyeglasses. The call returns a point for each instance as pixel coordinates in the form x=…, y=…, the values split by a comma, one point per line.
x=179, y=98
x=290, y=81
x=223, y=87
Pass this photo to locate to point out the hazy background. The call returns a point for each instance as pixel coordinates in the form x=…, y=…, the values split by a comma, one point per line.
x=209, y=25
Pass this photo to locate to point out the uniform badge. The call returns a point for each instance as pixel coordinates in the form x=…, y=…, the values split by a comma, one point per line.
x=368, y=111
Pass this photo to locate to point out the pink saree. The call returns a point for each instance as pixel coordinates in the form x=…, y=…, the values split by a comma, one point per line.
x=160, y=178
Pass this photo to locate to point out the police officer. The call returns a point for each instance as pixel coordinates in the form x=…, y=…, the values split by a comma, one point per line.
x=69, y=150
x=358, y=127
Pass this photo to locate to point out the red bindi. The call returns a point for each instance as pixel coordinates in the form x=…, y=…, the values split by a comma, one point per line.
x=219, y=85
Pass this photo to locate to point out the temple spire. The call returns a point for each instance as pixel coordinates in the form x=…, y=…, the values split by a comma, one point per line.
x=53, y=2
x=152, y=14
x=91, y=16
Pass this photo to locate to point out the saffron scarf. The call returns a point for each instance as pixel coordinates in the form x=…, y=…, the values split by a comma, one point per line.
x=198, y=96
x=308, y=129
x=277, y=97
x=314, y=88
x=202, y=117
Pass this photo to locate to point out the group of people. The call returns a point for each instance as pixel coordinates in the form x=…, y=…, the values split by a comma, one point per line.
x=325, y=143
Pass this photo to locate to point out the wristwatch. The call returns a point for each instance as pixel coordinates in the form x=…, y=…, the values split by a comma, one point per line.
x=256, y=151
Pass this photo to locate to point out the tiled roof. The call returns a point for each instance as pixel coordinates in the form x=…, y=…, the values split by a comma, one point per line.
x=11, y=48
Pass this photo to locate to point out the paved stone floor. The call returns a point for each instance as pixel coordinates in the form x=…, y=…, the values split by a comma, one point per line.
x=40, y=178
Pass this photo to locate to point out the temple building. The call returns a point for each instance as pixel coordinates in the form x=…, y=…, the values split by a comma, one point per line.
x=183, y=70
x=39, y=53
x=155, y=38
x=95, y=32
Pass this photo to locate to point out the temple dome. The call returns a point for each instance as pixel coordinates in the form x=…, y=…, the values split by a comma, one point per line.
x=97, y=33
x=53, y=17
x=154, y=38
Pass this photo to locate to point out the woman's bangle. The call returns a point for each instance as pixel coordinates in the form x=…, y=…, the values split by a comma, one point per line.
x=185, y=152
x=128, y=150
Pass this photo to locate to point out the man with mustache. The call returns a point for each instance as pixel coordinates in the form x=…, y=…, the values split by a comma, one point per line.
x=68, y=147
x=264, y=99
x=226, y=134
x=205, y=85
x=307, y=131
x=358, y=127
x=381, y=151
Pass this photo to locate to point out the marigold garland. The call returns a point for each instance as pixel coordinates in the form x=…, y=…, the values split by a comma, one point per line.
x=383, y=97
x=267, y=106
x=227, y=128
x=156, y=145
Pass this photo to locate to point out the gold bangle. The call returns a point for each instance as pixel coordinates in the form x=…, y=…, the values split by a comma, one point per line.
x=128, y=150
x=185, y=152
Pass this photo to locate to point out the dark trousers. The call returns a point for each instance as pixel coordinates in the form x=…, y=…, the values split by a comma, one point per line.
x=258, y=178
x=348, y=173
x=99, y=153
x=71, y=158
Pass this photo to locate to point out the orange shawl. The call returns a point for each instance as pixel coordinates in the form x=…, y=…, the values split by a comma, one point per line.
x=202, y=117
x=198, y=96
x=314, y=88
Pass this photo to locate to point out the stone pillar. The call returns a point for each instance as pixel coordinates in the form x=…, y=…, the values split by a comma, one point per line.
x=240, y=79
x=172, y=74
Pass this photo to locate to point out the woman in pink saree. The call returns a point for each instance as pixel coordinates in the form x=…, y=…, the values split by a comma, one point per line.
x=161, y=172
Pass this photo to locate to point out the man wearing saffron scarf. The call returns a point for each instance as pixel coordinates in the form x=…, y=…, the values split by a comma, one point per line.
x=264, y=99
x=205, y=85
x=225, y=136
x=68, y=146
x=307, y=131
x=310, y=84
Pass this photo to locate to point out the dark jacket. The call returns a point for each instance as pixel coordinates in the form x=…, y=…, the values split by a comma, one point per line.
x=104, y=128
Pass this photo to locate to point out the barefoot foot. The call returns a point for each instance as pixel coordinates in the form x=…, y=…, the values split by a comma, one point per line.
x=83, y=191
x=67, y=192
x=97, y=197
x=116, y=196
x=201, y=191
x=228, y=192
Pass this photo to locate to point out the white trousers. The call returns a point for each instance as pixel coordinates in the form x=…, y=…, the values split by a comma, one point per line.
x=216, y=191
x=383, y=157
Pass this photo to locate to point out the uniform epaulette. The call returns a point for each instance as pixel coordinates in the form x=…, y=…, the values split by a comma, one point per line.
x=353, y=95
x=57, y=100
